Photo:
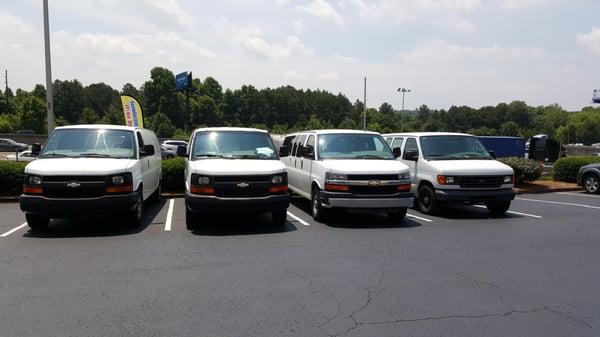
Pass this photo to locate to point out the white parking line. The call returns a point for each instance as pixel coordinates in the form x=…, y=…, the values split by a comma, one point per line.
x=558, y=203
x=516, y=213
x=169, y=215
x=580, y=194
x=298, y=219
x=13, y=230
x=418, y=217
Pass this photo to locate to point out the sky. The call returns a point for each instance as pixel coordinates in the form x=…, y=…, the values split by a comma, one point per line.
x=448, y=52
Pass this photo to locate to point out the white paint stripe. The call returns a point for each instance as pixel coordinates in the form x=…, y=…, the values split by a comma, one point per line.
x=513, y=212
x=418, y=217
x=169, y=215
x=298, y=219
x=579, y=194
x=13, y=230
x=558, y=203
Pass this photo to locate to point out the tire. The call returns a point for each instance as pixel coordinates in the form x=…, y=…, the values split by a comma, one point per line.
x=190, y=220
x=427, y=202
x=398, y=214
x=37, y=222
x=318, y=212
x=498, y=208
x=279, y=217
x=155, y=197
x=591, y=183
x=136, y=215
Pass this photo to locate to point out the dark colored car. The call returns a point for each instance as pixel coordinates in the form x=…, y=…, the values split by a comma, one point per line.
x=9, y=145
x=167, y=153
x=589, y=178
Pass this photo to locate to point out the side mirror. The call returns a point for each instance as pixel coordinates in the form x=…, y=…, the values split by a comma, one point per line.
x=284, y=151
x=411, y=155
x=36, y=148
x=397, y=152
x=492, y=153
x=308, y=151
x=182, y=151
x=148, y=150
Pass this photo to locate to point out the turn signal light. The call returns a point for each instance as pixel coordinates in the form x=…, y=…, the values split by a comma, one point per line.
x=119, y=189
x=32, y=190
x=337, y=188
x=202, y=190
x=441, y=180
x=404, y=187
x=278, y=189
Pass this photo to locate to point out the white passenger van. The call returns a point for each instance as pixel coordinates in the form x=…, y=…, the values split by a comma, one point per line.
x=346, y=169
x=234, y=170
x=87, y=170
x=453, y=167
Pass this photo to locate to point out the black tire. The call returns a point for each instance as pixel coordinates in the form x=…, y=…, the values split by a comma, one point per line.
x=279, y=217
x=427, y=202
x=37, y=222
x=398, y=214
x=155, y=197
x=498, y=208
x=591, y=183
x=136, y=215
x=318, y=212
x=190, y=220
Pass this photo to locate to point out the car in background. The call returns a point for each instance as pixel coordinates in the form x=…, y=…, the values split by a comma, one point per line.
x=589, y=178
x=9, y=145
x=23, y=156
x=172, y=145
x=25, y=132
x=167, y=153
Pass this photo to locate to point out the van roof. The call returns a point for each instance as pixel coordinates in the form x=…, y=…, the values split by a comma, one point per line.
x=332, y=131
x=98, y=126
x=424, y=134
x=230, y=129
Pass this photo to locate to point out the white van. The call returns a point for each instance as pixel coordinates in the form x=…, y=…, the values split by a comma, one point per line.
x=453, y=167
x=234, y=170
x=91, y=170
x=346, y=169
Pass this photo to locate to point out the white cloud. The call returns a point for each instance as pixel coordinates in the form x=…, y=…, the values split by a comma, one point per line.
x=299, y=27
x=439, y=50
x=322, y=9
x=328, y=76
x=590, y=40
x=292, y=74
x=342, y=58
x=252, y=39
x=517, y=4
x=171, y=8
x=461, y=25
x=11, y=25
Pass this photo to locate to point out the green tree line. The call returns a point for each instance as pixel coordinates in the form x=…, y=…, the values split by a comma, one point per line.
x=279, y=110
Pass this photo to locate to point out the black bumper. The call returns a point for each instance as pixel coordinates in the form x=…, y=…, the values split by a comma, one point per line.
x=110, y=204
x=475, y=196
x=201, y=203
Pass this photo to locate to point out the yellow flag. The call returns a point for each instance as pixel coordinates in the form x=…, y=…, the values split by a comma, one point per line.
x=133, y=111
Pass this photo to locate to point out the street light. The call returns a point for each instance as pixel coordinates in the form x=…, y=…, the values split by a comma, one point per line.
x=50, y=112
x=403, y=91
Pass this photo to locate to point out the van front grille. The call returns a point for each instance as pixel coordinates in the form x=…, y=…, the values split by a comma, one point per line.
x=480, y=181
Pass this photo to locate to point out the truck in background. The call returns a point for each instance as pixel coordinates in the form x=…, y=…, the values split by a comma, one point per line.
x=503, y=147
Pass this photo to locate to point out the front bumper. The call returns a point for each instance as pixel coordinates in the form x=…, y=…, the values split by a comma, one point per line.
x=348, y=200
x=475, y=196
x=109, y=204
x=211, y=203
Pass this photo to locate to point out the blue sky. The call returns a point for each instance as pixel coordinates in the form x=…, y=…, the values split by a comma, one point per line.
x=449, y=52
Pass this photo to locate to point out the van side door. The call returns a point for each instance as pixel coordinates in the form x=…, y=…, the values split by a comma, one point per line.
x=411, y=145
x=294, y=170
x=144, y=165
x=305, y=175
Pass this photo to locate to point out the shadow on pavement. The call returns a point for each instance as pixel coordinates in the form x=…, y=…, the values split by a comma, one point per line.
x=238, y=224
x=97, y=226
x=471, y=212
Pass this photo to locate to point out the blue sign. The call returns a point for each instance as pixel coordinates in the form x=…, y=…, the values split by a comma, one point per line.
x=183, y=81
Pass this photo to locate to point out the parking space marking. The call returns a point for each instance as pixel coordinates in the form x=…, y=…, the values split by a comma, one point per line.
x=169, y=215
x=418, y=217
x=513, y=212
x=579, y=194
x=298, y=219
x=558, y=203
x=13, y=230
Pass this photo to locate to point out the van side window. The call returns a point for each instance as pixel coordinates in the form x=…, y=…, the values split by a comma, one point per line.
x=311, y=141
x=389, y=140
x=287, y=142
x=140, y=141
x=411, y=145
x=301, y=140
x=397, y=142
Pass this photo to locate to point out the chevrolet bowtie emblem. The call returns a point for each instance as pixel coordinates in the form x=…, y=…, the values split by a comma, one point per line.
x=73, y=184
x=374, y=182
x=242, y=184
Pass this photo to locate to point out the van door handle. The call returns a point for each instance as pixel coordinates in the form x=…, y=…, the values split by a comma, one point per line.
x=302, y=164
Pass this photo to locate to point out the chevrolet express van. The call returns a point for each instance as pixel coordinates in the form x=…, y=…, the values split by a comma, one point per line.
x=86, y=170
x=234, y=170
x=346, y=169
x=453, y=168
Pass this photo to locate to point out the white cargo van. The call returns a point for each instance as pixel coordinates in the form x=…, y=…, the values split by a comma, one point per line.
x=234, y=170
x=453, y=167
x=87, y=170
x=346, y=169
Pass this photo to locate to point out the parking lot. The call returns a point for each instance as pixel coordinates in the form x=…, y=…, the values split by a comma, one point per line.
x=533, y=272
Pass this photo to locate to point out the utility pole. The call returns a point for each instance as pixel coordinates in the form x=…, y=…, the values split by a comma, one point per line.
x=6, y=87
x=50, y=114
x=403, y=91
x=365, y=107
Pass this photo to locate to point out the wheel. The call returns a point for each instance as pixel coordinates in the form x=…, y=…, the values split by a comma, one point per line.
x=319, y=213
x=591, y=183
x=155, y=197
x=398, y=214
x=279, y=217
x=37, y=222
x=498, y=208
x=190, y=220
x=135, y=216
x=426, y=202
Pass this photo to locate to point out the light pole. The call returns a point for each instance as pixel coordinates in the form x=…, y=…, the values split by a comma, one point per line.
x=403, y=91
x=50, y=115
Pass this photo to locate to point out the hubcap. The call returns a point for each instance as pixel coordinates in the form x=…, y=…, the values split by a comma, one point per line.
x=591, y=184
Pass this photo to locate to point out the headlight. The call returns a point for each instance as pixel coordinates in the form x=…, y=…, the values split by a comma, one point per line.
x=117, y=180
x=203, y=180
x=336, y=176
x=405, y=176
x=449, y=180
x=508, y=179
x=276, y=180
x=446, y=180
x=34, y=180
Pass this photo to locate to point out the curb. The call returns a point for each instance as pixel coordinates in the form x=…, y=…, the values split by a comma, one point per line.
x=549, y=190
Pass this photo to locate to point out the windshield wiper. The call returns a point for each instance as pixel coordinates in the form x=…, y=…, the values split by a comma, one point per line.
x=95, y=155
x=247, y=156
x=370, y=156
x=57, y=155
x=208, y=155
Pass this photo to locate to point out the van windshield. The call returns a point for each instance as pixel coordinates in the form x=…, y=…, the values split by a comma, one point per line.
x=353, y=146
x=101, y=143
x=233, y=145
x=453, y=147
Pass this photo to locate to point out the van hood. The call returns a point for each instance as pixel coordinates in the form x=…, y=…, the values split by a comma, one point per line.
x=79, y=166
x=365, y=166
x=470, y=167
x=212, y=167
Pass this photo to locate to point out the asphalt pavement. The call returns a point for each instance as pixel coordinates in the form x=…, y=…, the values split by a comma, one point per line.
x=532, y=272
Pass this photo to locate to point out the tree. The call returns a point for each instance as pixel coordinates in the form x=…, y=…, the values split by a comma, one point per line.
x=347, y=123
x=33, y=114
x=88, y=116
x=510, y=128
x=204, y=111
x=386, y=108
x=99, y=97
x=483, y=131
x=212, y=88
x=68, y=100
x=160, y=96
x=162, y=125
